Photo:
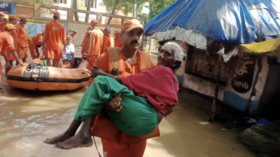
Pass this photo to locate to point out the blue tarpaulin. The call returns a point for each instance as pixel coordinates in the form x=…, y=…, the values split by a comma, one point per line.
x=227, y=21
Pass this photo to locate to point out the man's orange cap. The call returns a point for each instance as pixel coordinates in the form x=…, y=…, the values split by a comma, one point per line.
x=23, y=18
x=89, y=28
x=132, y=24
x=56, y=13
x=13, y=17
x=94, y=22
x=2, y=13
x=117, y=32
x=10, y=26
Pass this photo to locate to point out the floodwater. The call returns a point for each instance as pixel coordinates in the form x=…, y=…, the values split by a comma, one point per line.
x=27, y=118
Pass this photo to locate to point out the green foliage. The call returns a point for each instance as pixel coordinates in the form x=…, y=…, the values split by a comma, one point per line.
x=44, y=1
x=126, y=6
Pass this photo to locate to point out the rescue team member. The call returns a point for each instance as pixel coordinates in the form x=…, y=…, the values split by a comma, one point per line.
x=130, y=61
x=141, y=112
x=2, y=25
x=86, y=38
x=13, y=19
x=108, y=40
x=72, y=33
x=95, y=44
x=54, y=38
x=6, y=43
x=34, y=45
x=23, y=39
x=118, y=39
x=5, y=21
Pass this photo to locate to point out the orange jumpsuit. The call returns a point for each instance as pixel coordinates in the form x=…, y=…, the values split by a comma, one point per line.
x=95, y=46
x=6, y=43
x=108, y=41
x=118, y=42
x=22, y=40
x=16, y=44
x=54, y=37
x=85, y=46
x=35, y=42
x=115, y=143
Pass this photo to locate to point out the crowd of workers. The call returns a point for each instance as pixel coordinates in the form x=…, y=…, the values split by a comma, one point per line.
x=120, y=57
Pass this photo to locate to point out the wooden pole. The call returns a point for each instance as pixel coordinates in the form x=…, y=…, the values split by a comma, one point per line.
x=218, y=76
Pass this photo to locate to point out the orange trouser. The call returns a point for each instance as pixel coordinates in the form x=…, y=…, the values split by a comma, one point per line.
x=23, y=52
x=33, y=50
x=114, y=149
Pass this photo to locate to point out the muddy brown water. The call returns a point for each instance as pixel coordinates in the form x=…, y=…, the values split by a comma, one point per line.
x=29, y=117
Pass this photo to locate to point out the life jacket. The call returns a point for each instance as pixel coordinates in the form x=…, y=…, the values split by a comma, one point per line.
x=116, y=61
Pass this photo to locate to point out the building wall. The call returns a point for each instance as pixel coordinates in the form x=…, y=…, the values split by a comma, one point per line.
x=238, y=93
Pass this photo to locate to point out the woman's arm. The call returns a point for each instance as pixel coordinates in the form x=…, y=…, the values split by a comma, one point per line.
x=97, y=71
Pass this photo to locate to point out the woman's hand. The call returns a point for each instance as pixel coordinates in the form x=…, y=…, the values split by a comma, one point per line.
x=114, y=104
x=96, y=71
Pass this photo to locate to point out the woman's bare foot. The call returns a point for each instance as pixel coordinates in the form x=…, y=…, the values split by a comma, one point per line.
x=58, y=138
x=80, y=140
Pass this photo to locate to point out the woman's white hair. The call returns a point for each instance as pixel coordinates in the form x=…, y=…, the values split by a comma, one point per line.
x=178, y=51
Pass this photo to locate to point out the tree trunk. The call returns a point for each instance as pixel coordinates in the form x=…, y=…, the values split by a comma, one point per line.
x=113, y=11
x=88, y=9
x=75, y=6
x=134, y=9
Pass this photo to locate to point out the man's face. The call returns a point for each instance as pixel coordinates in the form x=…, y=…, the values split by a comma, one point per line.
x=117, y=35
x=14, y=21
x=106, y=33
x=23, y=22
x=132, y=38
x=1, y=17
x=68, y=40
x=93, y=26
x=6, y=21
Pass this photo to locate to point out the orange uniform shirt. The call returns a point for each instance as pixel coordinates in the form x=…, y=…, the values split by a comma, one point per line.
x=37, y=40
x=85, y=46
x=108, y=41
x=6, y=43
x=54, y=35
x=103, y=127
x=16, y=44
x=118, y=42
x=22, y=35
x=95, y=42
x=2, y=26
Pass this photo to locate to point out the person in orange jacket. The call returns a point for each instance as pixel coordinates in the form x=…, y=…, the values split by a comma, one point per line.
x=13, y=19
x=23, y=39
x=54, y=38
x=2, y=14
x=5, y=20
x=118, y=39
x=6, y=44
x=94, y=44
x=130, y=61
x=108, y=40
x=34, y=45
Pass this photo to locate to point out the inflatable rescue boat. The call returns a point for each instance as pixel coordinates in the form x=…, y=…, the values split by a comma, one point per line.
x=33, y=76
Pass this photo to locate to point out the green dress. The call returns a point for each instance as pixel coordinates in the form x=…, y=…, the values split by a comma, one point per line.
x=137, y=117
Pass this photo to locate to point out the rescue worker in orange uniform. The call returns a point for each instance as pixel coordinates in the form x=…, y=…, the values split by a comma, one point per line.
x=4, y=22
x=129, y=61
x=118, y=39
x=2, y=25
x=6, y=43
x=23, y=39
x=108, y=40
x=34, y=45
x=94, y=44
x=13, y=19
x=54, y=38
x=86, y=38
